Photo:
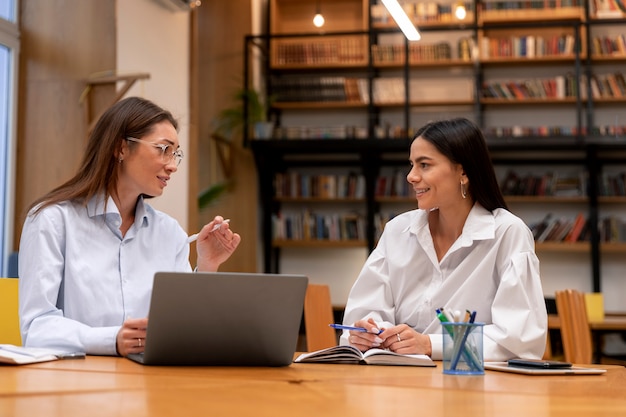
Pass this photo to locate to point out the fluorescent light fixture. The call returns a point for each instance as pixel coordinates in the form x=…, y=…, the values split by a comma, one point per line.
x=402, y=20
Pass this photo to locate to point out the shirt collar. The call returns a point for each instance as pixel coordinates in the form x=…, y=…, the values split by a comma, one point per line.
x=479, y=225
x=95, y=207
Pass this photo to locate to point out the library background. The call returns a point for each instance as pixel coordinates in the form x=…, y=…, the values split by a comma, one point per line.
x=543, y=79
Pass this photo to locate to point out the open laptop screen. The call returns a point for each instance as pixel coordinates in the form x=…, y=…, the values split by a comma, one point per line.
x=223, y=318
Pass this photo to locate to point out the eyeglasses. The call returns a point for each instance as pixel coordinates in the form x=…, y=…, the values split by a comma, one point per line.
x=175, y=155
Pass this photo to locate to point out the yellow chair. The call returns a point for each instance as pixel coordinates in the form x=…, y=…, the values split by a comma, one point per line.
x=318, y=314
x=9, y=319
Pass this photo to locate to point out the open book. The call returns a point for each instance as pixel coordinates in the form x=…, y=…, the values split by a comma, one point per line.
x=18, y=355
x=350, y=354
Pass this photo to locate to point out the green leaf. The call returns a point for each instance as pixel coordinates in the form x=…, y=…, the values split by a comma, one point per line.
x=209, y=195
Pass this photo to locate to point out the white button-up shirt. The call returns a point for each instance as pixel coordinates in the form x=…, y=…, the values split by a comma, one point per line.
x=80, y=279
x=491, y=268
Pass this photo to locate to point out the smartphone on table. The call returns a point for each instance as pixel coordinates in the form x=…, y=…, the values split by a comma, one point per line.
x=538, y=363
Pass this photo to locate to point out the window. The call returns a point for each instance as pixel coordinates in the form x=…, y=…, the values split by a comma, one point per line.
x=9, y=49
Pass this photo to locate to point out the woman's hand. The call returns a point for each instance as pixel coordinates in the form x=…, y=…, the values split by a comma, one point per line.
x=215, y=246
x=403, y=339
x=132, y=336
x=366, y=340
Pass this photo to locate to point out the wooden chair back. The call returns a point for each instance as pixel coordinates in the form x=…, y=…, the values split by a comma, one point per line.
x=318, y=314
x=9, y=318
x=575, y=331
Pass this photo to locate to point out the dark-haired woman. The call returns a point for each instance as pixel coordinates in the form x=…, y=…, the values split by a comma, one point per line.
x=460, y=250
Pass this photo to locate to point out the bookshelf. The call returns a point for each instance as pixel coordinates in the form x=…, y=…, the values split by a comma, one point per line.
x=348, y=99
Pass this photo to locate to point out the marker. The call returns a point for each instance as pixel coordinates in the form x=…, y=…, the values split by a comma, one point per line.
x=356, y=329
x=194, y=237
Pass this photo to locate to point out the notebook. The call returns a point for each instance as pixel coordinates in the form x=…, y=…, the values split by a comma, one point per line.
x=574, y=370
x=223, y=318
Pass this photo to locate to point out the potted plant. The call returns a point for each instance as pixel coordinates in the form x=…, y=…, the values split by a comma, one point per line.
x=232, y=120
x=229, y=123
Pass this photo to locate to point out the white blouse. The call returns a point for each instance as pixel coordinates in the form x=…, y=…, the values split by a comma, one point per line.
x=491, y=268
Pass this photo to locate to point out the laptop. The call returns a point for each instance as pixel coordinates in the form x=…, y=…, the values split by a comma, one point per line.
x=223, y=319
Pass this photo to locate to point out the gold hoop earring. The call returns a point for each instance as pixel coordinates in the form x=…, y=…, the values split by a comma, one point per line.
x=463, y=190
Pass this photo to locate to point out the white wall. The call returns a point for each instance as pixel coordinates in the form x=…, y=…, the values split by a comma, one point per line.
x=153, y=39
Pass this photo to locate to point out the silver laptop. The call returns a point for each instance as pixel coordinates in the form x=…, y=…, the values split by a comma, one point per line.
x=223, y=318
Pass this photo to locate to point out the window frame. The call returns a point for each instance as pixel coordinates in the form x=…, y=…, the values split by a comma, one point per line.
x=9, y=38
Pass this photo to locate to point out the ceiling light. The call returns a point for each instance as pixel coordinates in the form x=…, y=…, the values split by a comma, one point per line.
x=318, y=20
x=459, y=11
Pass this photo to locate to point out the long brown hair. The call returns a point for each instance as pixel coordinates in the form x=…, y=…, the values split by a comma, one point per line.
x=98, y=173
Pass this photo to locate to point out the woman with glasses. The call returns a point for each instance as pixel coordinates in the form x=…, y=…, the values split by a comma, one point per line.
x=90, y=248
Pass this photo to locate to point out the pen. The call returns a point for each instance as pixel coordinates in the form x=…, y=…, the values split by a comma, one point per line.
x=444, y=319
x=456, y=356
x=356, y=329
x=194, y=237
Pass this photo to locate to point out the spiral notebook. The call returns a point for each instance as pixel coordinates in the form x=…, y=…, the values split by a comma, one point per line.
x=222, y=318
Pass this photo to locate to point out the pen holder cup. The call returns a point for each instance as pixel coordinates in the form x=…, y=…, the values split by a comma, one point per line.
x=463, y=348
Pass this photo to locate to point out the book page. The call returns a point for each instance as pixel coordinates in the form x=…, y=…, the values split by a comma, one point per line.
x=18, y=355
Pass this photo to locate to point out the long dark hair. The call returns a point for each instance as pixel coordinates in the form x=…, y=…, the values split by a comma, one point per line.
x=98, y=173
x=462, y=142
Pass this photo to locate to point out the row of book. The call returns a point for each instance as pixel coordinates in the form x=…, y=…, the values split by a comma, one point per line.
x=612, y=184
x=393, y=184
x=392, y=89
x=320, y=132
x=561, y=229
x=609, y=46
x=548, y=184
x=319, y=89
x=611, y=229
x=529, y=4
x=558, y=87
x=552, y=131
x=307, y=225
x=529, y=131
x=608, y=85
x=389, y=90
x=385, y=54
x=296, y=184
x=351, y=50
x=310, y=226
x=528, y=46
x=345, y=50
x=609, y=9
x=422, y=11
x=388, y=131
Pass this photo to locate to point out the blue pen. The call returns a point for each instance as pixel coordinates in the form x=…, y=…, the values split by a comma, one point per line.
x=356, y=329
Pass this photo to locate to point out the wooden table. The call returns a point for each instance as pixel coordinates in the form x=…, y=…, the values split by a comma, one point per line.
x=108, y=387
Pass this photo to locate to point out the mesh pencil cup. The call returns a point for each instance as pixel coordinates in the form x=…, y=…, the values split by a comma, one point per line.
x=463, y=348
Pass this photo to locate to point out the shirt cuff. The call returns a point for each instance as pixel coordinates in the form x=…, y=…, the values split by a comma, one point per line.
x=436, y=343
